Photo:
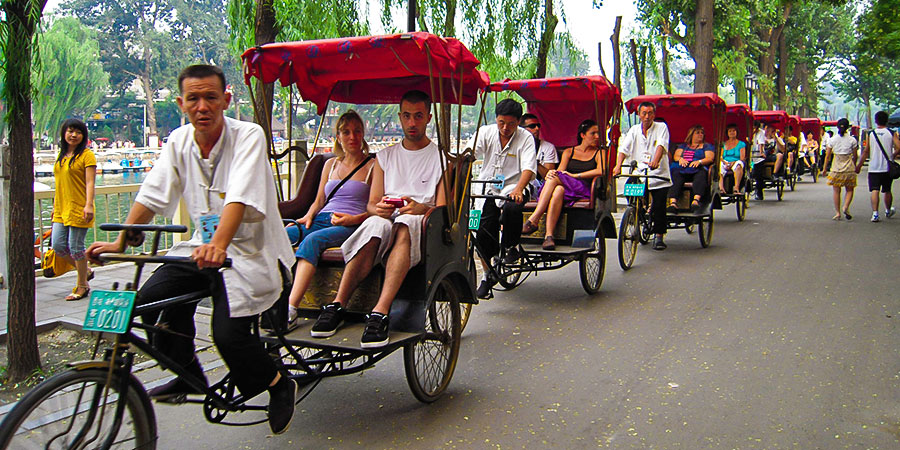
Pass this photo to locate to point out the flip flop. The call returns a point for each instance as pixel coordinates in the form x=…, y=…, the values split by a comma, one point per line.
x=76, y=296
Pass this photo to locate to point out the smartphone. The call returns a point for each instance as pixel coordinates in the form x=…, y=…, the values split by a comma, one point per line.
x=396, y=202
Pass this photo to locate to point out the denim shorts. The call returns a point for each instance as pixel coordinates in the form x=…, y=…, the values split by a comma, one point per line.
x=68, y=241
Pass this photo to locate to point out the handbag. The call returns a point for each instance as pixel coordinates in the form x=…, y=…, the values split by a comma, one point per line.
x=893, y=166
x=53, y=265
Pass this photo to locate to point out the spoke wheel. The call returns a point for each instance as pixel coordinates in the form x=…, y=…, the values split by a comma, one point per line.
x=706, y=230
x=76, y=409
x=779, y=190
x=429, y=363
x=741, y=207
x=629, y=237
x=592, y=266
x=645, y=227
x=689, y=228
x=792, y=181
x=815, y=174
x=509, y=280
x=465, y=310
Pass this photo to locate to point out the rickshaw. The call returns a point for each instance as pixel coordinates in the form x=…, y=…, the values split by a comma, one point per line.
x=561, y=104
x=101, y=404
x=740, y=116
x=679, y=112
x=779, y=120
x=813, y=126
x=792, y=139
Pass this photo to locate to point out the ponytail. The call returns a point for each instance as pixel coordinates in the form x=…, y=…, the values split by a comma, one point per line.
x=843, y=125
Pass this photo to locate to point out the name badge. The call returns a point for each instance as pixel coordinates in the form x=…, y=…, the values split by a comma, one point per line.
x=208, y=225
x=500, y=179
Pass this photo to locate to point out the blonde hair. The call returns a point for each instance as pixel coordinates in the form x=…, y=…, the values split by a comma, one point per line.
x=342, y=121
x=689, y=140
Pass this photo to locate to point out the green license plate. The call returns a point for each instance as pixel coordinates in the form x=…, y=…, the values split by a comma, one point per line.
x=634, y=190
x=109, y=311
x=474, y=219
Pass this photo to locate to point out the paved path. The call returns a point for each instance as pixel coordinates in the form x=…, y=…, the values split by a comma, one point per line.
x=782, y=334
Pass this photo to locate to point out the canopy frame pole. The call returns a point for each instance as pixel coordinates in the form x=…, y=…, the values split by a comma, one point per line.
x=321, y=123
x=481, y=116
x=290, y=138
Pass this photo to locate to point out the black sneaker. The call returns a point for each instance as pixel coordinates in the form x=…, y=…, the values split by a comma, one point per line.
x=376, y=333
x=659, y=244
x=176, y=390
x=511, y=256
x=281, y=404
x=484, y=291
x=331, y=317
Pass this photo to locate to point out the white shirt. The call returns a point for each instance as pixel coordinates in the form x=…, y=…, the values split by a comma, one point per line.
x=640, y=148
x=547, y=153
x=759, y=139
x=877, y=162
x=411, y=173
x=237, y=171
x=843, y=145
x=508, y=162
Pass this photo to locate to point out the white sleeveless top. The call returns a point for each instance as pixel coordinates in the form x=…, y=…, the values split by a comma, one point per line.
x=411, y=173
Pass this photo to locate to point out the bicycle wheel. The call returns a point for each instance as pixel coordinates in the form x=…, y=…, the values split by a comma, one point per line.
x=429, y=363
x=629, y=236
x=706, y=230
x=592, y=266
x=76, y=409
x=815, y=174
x=779, y=189
x=741, y=207
x=645, y=225
x=465, y=310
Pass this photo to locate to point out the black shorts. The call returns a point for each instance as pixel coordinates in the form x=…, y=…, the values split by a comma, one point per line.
x=880, y=181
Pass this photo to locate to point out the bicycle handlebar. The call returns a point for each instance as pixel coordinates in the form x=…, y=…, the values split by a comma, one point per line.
x=640, y=175
x=153, y=259
x=143, y=227
x=492, y=196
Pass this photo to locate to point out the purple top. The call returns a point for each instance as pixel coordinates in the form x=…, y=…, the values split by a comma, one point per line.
x=352, y=198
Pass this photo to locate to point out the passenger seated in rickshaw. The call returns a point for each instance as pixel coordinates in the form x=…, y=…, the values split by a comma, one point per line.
x=691, y=162
x=339, y=208
x=572, y=182
x=791, y=143
x=410, y=171
x=734, y=154
x=768, y=149
x=808, y=151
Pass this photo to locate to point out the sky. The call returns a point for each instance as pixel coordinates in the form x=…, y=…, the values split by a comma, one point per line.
x=586, y=24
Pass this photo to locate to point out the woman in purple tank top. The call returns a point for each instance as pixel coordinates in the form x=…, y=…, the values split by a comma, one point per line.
x=333, y=216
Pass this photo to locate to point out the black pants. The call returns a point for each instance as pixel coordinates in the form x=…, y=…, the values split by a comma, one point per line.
x=699, y=182
x=510, y=216
x=252, y=369
x=658, y=210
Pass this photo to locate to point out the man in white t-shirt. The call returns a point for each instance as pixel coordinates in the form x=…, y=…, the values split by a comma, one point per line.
x=408, y=172
x=647, y=143
x=877, y=144
x=547, y=157
x=508, y=153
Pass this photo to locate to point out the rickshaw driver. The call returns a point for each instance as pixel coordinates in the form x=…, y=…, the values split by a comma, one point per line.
x=219, y=167
x=648, y=143
x=412, y=171
x=508, y=152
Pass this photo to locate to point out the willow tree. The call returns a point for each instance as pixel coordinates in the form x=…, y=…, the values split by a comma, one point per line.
x=72, y=78
x=18, y=31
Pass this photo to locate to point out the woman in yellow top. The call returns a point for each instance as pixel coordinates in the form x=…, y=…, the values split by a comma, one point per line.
x=73, y=202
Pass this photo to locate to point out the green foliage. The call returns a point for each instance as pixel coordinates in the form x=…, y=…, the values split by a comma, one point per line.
x=880, y=29
x=72, y=79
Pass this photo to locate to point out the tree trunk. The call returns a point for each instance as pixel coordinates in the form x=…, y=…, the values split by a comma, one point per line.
x=617, y=57
x=21, y=343
x=667, y=81
x=638, y=67
x=450, y=19
x=704, y=74
x=781, y=79
x=600, y=58
x=550, y=21
x=265, y=33
x=146, y=85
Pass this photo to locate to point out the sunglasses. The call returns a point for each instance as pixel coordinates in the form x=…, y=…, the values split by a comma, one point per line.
x=533, y=125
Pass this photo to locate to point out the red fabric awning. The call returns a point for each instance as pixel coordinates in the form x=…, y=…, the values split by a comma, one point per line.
x=682, y=111
x=740, y=115
x=369, y=69
x=778, y=119
x=812, y=125
x=563, y=103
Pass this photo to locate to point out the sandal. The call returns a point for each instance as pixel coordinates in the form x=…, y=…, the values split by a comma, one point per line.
x=76, y=296
x=836, y=217
x=90, y=275
x=528, y=227
x=695, y=206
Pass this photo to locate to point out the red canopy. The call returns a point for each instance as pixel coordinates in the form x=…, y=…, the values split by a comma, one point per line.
x=562, y=103
x=794, y=123
x=778, y=119
x=829, y=123
x=369, y=69
x=740, y=115
x=812, y=125
x=681, y=112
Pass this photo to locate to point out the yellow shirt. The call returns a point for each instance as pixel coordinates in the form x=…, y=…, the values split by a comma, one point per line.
x=71, y=190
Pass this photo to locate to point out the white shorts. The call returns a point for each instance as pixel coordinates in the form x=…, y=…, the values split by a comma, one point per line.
x=379, y=227
x=735, y=164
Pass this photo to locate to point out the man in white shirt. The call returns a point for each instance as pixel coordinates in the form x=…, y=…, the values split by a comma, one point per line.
x=508, y=152
x=877, y=144
x=219, y=167
x=769, y=148
x=410, y=171
x=647, y=143
x=547, y=157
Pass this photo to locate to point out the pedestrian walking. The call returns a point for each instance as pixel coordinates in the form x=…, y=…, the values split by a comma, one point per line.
x=73, y=201
x=842, y=148
x=882, y=145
